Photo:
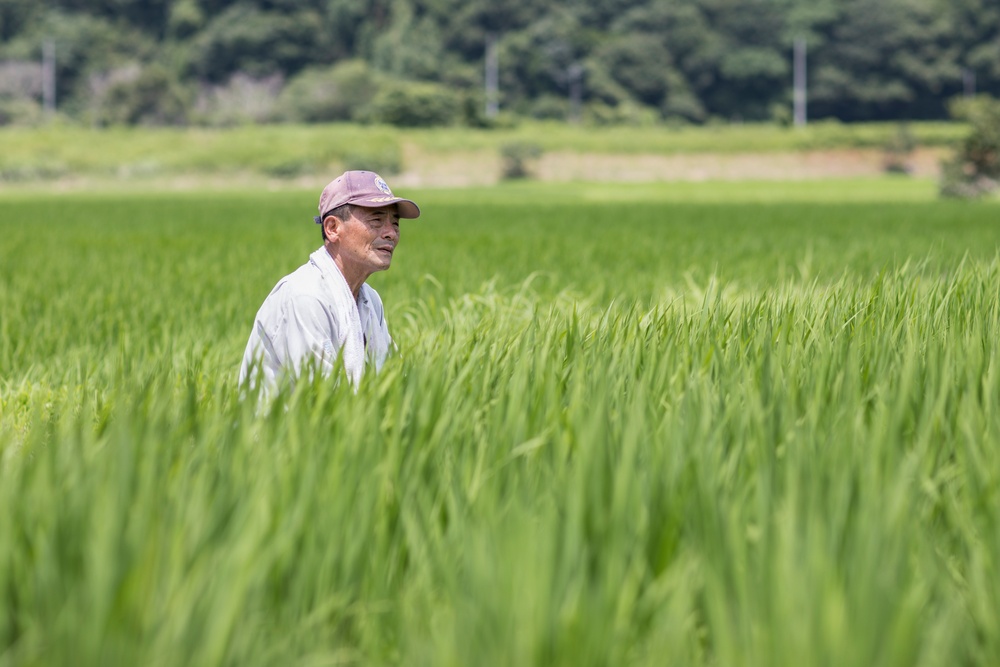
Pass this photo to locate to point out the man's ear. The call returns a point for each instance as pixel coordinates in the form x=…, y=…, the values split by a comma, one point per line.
x=331, y=224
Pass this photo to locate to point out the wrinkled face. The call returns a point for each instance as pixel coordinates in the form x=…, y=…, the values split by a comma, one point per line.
x=365, y=241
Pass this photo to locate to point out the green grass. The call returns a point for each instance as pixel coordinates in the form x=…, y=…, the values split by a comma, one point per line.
x=654, y=429
x=33, y=154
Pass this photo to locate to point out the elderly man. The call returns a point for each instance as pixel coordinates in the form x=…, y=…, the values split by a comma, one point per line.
x=323, y=314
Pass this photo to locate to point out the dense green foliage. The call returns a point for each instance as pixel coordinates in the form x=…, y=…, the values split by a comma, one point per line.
x=225, y=61
x=632, y=431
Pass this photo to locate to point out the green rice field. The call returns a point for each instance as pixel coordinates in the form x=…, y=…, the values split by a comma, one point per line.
x=695, y=424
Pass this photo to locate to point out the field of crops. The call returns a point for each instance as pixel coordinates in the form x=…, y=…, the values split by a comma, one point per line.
x=286, y=151
x=691, y=425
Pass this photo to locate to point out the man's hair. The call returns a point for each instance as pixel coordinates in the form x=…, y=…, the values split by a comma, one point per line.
x=343, y=212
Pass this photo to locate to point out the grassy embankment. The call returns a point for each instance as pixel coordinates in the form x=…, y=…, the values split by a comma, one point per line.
x=144, y=155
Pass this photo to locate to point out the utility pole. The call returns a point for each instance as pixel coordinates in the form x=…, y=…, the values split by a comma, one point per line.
x=49, y=77
x=492, y=77
x=968, y=82
x=575, y=76
x=799, y=81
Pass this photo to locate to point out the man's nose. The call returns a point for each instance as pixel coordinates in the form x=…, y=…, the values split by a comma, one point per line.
x=391, y=232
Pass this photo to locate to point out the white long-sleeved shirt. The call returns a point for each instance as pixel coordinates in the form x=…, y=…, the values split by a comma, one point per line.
x=311, y=317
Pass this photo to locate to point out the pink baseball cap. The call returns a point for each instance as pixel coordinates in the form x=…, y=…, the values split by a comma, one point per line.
x=363, y=188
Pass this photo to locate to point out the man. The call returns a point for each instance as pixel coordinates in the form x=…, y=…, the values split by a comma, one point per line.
x=323, y=314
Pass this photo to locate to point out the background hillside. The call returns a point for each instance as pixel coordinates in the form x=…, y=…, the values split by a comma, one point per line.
x=422, y=62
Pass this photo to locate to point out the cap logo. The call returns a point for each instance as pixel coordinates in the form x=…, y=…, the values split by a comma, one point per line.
x=382, y=186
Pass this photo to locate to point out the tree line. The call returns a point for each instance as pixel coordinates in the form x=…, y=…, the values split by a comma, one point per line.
x=423, y=62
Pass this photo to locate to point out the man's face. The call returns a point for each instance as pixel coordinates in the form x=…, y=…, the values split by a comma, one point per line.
x=367, y=239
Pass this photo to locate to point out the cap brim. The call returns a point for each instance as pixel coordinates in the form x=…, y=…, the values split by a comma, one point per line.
x=405, y=207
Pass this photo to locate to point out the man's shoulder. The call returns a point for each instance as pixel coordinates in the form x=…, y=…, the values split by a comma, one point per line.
x=307, y=280
x=301, y=286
